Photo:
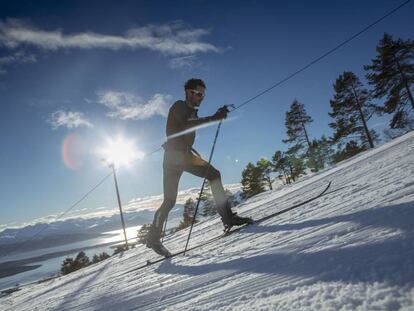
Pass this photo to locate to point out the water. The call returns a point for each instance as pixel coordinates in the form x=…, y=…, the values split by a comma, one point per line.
x=51, y=266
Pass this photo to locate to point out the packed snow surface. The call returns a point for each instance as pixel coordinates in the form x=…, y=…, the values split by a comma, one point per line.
x=352, y=249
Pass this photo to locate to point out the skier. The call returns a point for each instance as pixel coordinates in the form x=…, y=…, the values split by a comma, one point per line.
x=179, y=157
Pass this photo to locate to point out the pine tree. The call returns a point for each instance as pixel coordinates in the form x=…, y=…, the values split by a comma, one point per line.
x=296, y=121
x=143, y=232
x=81, y=260
x=322, y=153
x=280, y=165
x=119, y=249
x=351, y=110
x=390, y=134
x=392, y=75
x=67, y=266
x=314, y=159
x=99, y=257
x=209, y=205
x=352, y=148
x=95, y=259
x=103, y=256
x=252, y=182
x=266, y=168
x=188, y=214
x=296, y=166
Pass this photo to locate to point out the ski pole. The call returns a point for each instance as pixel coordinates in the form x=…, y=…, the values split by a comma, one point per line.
x=202, y=187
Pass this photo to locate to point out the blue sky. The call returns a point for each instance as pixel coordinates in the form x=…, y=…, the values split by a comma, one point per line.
x=81, y=72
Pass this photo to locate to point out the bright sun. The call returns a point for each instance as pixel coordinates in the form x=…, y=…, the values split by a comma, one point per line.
x=119, y=152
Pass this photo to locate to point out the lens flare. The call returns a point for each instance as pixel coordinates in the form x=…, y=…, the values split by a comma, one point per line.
x=73, y=152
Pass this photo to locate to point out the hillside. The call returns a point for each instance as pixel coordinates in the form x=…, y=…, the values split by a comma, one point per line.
x=352, y=249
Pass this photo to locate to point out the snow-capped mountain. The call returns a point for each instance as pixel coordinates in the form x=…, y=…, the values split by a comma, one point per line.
x=41, y=233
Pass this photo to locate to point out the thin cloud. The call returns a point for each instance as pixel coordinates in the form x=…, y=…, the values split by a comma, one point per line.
x=126, y=106
x=170, y=39
x=19, y=57
x=68, y=119
x=183, y=62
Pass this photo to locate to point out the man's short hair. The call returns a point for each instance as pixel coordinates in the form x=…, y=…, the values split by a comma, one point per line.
x=193, y=83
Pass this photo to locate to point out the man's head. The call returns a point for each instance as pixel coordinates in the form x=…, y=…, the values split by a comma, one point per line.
x=194, y=92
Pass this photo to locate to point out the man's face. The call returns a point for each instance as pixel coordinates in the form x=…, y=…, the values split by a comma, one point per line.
x=195, y=96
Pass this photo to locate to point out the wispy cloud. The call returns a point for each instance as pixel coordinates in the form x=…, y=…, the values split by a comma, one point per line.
x=19, y=57
x=125, y=105
x=183, y=62
x=171, y=39
x=68, y=119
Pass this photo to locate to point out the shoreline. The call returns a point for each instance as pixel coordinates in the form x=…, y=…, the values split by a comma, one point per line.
x=13, y=267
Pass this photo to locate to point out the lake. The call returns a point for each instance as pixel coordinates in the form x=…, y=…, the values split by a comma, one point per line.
x=51, y=266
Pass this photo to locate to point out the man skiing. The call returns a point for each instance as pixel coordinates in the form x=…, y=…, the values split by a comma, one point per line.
x=179, y=157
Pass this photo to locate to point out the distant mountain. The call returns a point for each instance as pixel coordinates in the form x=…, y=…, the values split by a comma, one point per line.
x=42, y=234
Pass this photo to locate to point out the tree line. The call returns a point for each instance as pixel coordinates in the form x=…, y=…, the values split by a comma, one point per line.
x=391, y=77
x=81, y=261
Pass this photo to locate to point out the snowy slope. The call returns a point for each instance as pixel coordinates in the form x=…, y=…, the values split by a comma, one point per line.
x=352, y=249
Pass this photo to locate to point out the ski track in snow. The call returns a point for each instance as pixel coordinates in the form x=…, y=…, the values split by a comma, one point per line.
x=352, y=249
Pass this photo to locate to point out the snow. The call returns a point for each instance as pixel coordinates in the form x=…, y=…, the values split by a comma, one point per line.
x=352, y=249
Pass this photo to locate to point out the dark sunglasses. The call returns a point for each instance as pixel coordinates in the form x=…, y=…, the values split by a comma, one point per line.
x=198, y=93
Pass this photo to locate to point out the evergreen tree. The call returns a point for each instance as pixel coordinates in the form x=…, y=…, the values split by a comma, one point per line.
x=351, y=109
x=103, y=256
x=296, y=166
x=314, y=159
x=95, y=259
x=119, y=249
x=392, y=75
x=209, y=205
x=188, y=214
x=266, y=168
x=67, y=266
x=280, y=165
x=322, y=153
x=352, y=148
x=143, y=232
x=252, y=182
x=81, y=260
x=390, y=134
x=99, y=257
x=296, y=121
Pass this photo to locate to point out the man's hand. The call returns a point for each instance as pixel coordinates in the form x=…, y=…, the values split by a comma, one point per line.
x=220, y=114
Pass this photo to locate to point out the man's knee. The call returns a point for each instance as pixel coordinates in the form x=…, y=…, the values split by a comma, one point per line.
x=168, y=204
x=213, y=174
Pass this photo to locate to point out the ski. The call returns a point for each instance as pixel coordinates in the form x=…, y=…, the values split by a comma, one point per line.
x=228, y=232
x=151, y=262
x=160, y=249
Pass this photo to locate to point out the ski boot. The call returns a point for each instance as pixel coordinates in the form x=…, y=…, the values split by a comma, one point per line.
x=153, y=242
x=235, y=220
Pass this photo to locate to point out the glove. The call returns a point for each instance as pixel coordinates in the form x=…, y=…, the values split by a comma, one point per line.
x=220, y=114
